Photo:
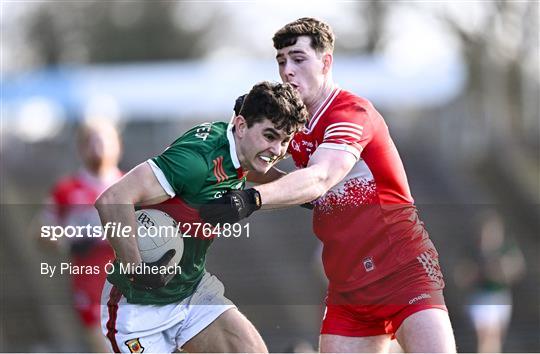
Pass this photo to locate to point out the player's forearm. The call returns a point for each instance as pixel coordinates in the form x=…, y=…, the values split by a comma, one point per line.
x=296, y=188
x=116, y=205
x=270, y=176
x=119, y=211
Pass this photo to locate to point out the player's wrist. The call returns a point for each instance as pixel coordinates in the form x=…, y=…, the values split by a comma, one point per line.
x=254, y=197
x=232, y=207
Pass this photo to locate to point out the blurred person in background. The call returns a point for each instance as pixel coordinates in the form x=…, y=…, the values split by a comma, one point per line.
x=71, y=203
x=496, y=265
x=188, y=310
x=384, y=276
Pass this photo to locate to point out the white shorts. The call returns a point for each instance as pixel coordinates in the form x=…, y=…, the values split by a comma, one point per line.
x=491, y=309
x=132, y=328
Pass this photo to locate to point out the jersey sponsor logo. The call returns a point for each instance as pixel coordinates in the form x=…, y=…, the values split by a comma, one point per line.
x=134, y=345
x=369, y=265
x=219, y=172
x=203, y=131
x=295, y=145
x=219, y=194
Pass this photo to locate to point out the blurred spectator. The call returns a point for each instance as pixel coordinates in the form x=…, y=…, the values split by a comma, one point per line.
x=71, y=202
x=498, y=263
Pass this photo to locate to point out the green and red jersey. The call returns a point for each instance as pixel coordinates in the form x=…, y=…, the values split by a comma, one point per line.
x=199, y=166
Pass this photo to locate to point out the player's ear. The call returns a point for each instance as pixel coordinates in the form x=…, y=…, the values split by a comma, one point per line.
x=240, y=125
x=327, y=62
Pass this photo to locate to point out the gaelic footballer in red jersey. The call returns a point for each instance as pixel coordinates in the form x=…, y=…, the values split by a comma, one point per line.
x=71, y=203
x=372, y=200
x=383, y=271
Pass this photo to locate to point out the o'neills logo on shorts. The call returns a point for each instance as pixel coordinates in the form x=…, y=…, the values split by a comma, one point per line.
x=419, y=297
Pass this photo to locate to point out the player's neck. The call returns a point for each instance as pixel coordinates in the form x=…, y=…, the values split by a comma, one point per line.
x=324, y=91
x=239, y=153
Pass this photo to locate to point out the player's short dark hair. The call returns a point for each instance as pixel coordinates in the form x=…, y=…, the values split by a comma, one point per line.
x=279, y=103
x=321, y=34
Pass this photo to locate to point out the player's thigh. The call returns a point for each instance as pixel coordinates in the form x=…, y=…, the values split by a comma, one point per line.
x=427, y=331
x=231, y=332
x=331, y=343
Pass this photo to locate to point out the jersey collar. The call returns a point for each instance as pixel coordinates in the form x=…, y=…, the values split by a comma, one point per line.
x=232, y=146
x=322, y=108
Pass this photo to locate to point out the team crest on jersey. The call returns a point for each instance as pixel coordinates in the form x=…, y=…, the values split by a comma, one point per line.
x=369, y=265
x=134, y=345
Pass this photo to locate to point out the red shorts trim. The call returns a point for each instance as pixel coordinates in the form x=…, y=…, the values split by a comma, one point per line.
x=345, y=321
x=112, y=304
x=381, y=307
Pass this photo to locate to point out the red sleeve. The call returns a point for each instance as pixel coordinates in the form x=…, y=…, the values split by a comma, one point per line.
x=59, y=197
x=348, y=127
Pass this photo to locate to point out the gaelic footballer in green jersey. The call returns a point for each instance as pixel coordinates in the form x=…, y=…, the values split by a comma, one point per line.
x=199, y=166
x=203, y=164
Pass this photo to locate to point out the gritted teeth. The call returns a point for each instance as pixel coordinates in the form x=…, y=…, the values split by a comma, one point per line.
x=267, y=158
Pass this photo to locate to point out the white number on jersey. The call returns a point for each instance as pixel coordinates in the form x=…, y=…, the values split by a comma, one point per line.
x=203, y=131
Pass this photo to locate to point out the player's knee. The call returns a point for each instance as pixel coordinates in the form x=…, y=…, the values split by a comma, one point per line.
x=245, y=339
x=248, y=342
x=249, y=345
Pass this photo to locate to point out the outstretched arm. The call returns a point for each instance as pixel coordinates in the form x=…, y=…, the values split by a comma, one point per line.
x=326, y=168
x=138, y=187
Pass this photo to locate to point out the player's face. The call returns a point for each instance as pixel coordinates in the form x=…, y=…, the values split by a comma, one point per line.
x=261, y=145
x=100, y=148
x=305, y=69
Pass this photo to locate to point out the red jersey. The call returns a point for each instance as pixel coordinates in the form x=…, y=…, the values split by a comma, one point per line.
x=367, y=222
x=72, y=203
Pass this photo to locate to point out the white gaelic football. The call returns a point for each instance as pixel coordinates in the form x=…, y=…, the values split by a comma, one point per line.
x=157, y=233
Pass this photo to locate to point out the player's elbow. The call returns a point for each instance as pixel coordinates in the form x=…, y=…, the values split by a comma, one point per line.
x=104, y=199
x=321, y=183
x=329, y=172
x=110, y=196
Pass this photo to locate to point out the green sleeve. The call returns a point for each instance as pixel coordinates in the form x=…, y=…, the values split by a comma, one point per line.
x=184, y=169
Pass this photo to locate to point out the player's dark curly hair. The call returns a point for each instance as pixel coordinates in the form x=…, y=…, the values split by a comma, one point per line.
x=321, y=34
x=278, y=102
